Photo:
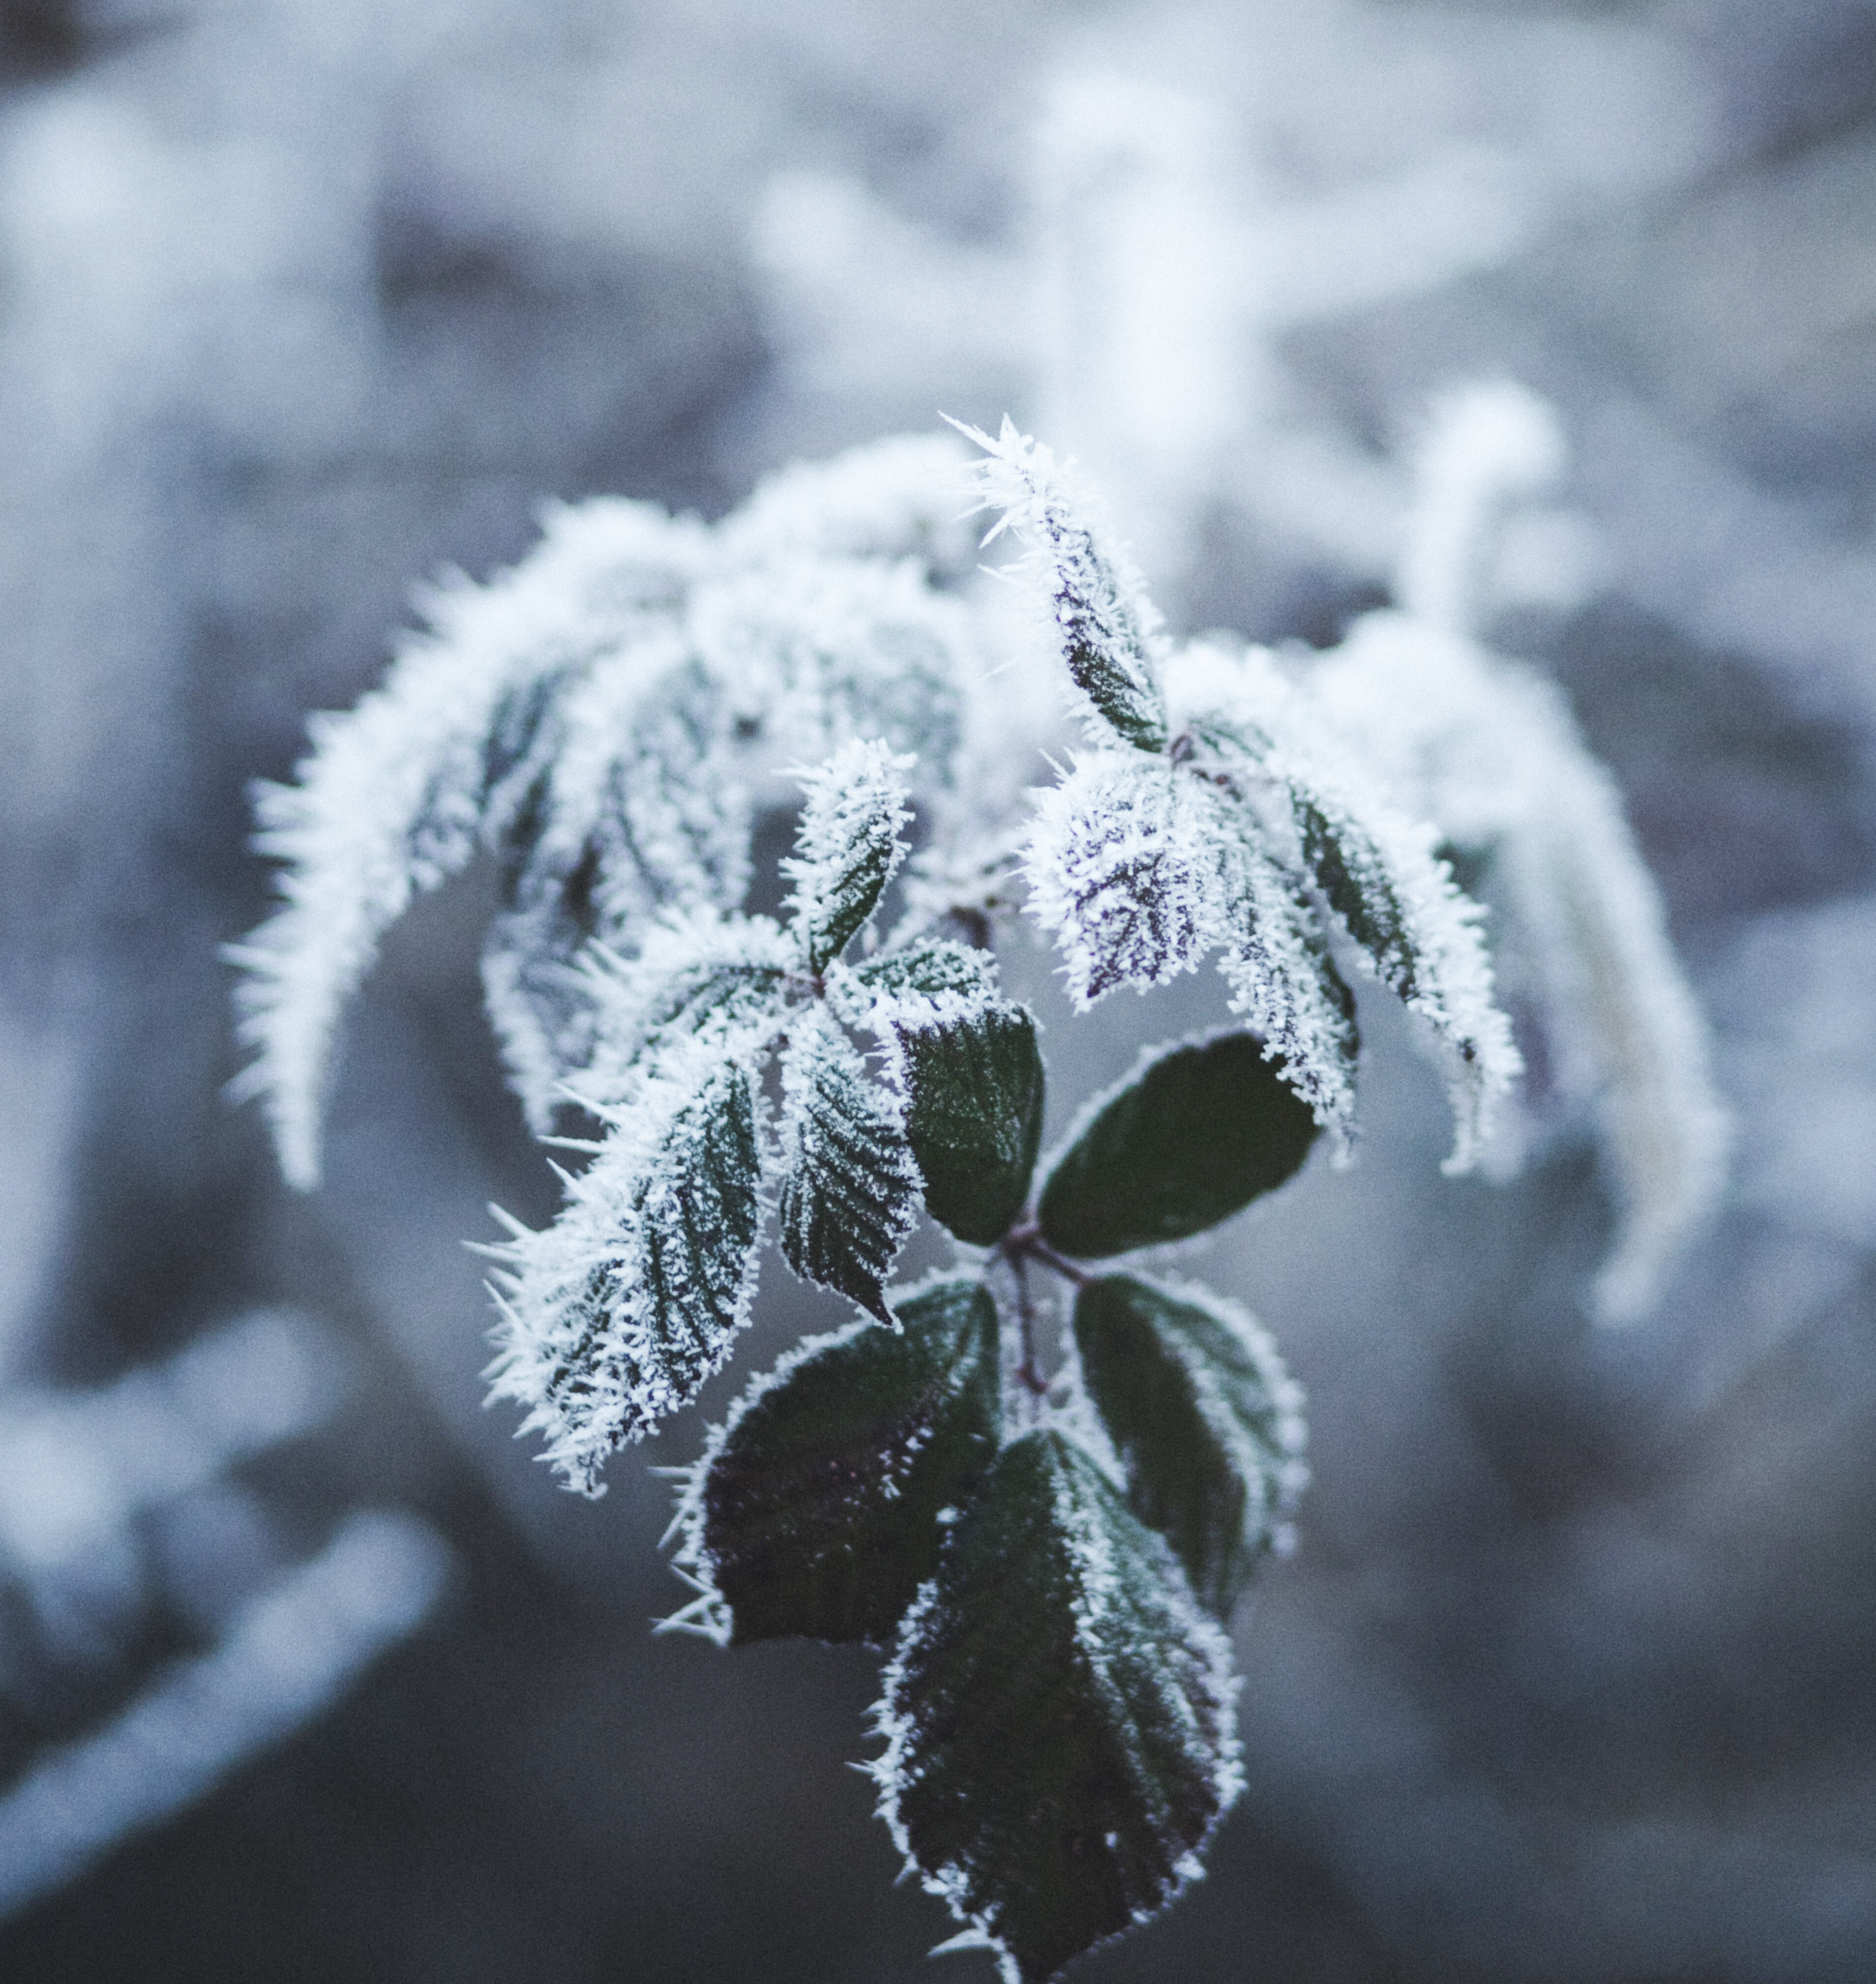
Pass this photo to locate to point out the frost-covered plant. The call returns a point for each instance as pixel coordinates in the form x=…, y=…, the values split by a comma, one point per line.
x=1041, y=1479
x=1488, y=751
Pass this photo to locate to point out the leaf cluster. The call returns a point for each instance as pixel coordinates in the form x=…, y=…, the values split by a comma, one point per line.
x=1040, y=1482
x=1049, y=1566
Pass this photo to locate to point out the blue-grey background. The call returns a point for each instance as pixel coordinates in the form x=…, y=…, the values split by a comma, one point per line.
x=1573, y=1676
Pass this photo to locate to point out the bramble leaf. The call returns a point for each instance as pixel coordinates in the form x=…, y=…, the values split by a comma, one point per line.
x=614, y=1315
x=848, y=847
x=1189, y=1138
x=1109, y=632
x=1205, y=1418
x=1057, y=1716
x=1285, y=983
x=849, y=1186
x=974, y=1116
x=815, y=1509
x=1128, y=865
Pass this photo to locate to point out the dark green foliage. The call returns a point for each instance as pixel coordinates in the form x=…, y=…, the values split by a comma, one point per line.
x=929, y=970
x=816, y=1511
x=974, y=1116
x=1358, y=882
x=713, y=996
x=1204, y=1420
x=653, y=1314
x=850, y=1186
x=1058, y=1716
x=1203, y=1129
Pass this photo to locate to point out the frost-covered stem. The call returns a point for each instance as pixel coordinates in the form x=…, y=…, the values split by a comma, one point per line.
x=1022, y=1244
x=1026, y=1243
x=1027, y=1370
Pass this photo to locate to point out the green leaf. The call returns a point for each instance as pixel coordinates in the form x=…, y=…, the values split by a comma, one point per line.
x=848, y=848
x=1197, y=1134
x=616, y=1314
x=1361, y=887
x=1059, y=1739
x=849, y=1185
x=929, y=970
x=815, y=1508
x=974, y=1117
x=1205, y=1418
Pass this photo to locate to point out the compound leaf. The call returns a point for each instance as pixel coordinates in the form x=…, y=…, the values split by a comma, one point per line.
x=816, y=1507
x=1057, y=1716
x=849, y=1186
x=1192, y=1137
x=1205, y=1420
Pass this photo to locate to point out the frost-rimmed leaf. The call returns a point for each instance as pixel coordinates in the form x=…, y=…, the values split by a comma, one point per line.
x=1058, y=1719
x=894, y=498
x=810, y=653
x=616, y=1314
x=394, y=796
x=1126, y=865
x=1205, y=1419
x=1308, y=839
x=848, y=847
x=1380, y=874
x=1284, y=981
x=1193, y=1135
x=700, y=976
x=1110, y=635
x=967, y=1063
x=815, y=1507
x=849, y=1188
x=973, y=1115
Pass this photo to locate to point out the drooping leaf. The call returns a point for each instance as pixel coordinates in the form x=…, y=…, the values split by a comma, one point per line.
x=642, y=813
x=614, y=1315
x=848, y=848
x=1284, y=983
x=398, y=793
x=1109, y=631
x=1378, y=873
x=1127, y=864
x=1192, y=1136
x=1205, y=1418
x=849, y=1185
x=815, y=1508
x=1057, y=1716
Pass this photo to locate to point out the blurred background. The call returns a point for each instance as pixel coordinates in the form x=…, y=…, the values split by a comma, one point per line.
x=306, y=1669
